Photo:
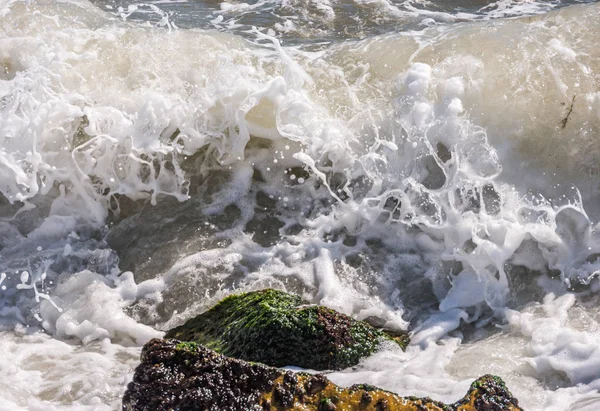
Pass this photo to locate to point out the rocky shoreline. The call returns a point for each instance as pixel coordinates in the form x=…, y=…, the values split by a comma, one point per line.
x=175, y=375
x=231, y=352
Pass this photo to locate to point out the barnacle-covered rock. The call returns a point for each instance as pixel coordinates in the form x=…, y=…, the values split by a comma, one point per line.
x=280, y=329
x=488, y=393
x=177, y=375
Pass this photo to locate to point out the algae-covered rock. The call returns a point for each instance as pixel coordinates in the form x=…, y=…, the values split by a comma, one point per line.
x=488, y=393
x=186, y=376
x=281, y=329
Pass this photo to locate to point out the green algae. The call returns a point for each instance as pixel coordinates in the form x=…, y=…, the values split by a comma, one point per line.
x=280, y=329
x=186, y=346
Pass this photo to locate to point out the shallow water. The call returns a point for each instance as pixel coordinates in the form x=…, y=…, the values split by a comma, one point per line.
x=429, y=166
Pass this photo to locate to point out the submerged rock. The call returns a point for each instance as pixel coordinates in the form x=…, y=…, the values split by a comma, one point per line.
x=176, y=375
x=280, y=329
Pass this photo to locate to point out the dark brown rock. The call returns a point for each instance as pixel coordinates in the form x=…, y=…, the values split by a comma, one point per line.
x=186, y=376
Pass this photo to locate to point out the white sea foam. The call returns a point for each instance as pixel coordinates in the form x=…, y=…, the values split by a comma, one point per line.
x=438, y=181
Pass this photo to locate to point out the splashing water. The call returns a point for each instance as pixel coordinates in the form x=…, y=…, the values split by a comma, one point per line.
x=422, y=166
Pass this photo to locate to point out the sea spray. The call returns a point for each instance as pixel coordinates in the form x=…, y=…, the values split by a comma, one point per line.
x=435, y=174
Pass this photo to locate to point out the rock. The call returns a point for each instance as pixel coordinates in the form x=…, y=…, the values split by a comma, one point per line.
x=184, y=230
x=488, y=393
x=176, y=375
x=279, y=329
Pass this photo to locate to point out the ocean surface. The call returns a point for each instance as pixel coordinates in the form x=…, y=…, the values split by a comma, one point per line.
x=432, y=166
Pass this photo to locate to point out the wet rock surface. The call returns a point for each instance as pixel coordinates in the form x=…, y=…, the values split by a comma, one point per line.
x=184, y=230
x=279, y=329
x=175, y=375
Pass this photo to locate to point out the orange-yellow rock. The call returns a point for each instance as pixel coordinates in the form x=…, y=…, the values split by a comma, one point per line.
x=186, y=376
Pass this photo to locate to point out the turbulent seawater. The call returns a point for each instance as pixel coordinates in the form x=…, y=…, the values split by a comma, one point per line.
x=426, y=165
